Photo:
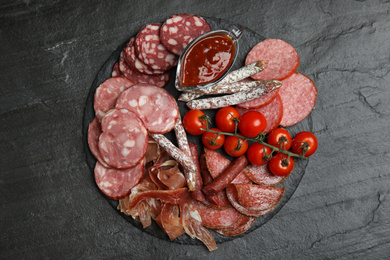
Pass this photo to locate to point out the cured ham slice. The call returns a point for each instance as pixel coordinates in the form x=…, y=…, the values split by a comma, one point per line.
x=169, y=220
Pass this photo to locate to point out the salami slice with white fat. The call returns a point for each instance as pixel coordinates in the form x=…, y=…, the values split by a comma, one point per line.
x=159, y=80
x=280, y=58
x=261, y=101
x=115, y=70
x=180, y=29
x=298, y=95
x=124, y=140
x=117, y=184
x=108, y=92
x=151, y=51
x=132, y=60
x=94, y=131
x=155, y=106
x=272, y=112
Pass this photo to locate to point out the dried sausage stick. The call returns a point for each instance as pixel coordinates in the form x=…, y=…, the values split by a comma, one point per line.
x=232, y=77
x=181, y=157
x=227, y=176
x=234, y=99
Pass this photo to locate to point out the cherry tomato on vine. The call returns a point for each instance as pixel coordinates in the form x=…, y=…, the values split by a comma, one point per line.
x=235, y=146
x=225, y=119
x=258, y=154
x=252, y=123
x=305, y=143
x=281, y=164
x=193, y=120
x=212, y=140
x=280, y=138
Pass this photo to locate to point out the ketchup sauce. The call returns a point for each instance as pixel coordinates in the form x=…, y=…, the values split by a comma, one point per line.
x=207, y=60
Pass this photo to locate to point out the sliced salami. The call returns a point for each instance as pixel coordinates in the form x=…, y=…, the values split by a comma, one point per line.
x=280, y=58
x=298, y=95
x=217, y=218
x=159, y=80
x=151, y=51
x=132, y=60
x=180, y=29
x=108, y=92
x=115, y=70
x=256, y=197
x=124, y=140
x=117, y=184
x=94, y=131
x=260, y=174
x=261, y=101
x=155, y=106
x=273, y=112
x=249, y=221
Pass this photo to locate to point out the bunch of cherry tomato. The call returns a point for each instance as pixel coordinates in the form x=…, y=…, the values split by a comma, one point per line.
x=233, y=133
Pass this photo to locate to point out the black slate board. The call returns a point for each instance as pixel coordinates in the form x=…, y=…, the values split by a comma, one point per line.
x=247, y=41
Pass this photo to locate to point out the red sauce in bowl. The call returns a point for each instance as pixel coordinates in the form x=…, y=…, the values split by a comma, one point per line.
x=207, y=60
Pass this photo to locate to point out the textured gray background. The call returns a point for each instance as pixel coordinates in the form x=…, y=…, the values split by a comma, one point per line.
x=50, y=53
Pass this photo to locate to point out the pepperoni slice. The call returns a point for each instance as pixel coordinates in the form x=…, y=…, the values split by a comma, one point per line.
x=124, y=140
x=180, y=29
x=117, y=184
x=260, y=174
x=155, y=106
x=151, y=51
x=159, y=80
x=298, y=95
x=107, y=93
x=273, y=112
x=132, y=60
x=280, y=58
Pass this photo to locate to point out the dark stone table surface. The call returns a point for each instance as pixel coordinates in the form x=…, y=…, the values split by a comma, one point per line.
x=50, y=53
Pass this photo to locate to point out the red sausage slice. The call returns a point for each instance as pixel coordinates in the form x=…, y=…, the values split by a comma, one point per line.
x=94, y=131
x=115, y=70
x=272, y=112
x=298, y=95
x=249, y=221
x=280, y=58
x=180, y=29
x=124, y=140
x=155, y=106
x=261, y=101
x=117, y=184
x=260, y=174
x=132, y=60
x=151, y=51
x=108, y=92
x=256, y=197
x=159, y=80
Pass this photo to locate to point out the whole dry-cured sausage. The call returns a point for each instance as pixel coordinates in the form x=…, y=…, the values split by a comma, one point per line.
x=180, y=29
x=117, y=184
x=108, y=92
x=124, y=140
x=227, y=176
x=151, y=51
x=298, y=95
x=280, y=58
x=155, y=106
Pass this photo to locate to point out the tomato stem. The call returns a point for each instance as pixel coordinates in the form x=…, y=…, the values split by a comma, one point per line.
x=259, y=139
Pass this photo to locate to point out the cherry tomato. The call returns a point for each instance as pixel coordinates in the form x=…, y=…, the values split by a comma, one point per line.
x=280, y=138
x=252, y=123
x=193, y=120
x=258, y=154
x=212, y=140
x=235, y=146
x=281, y=164
x=305, y=143
x=225, y=119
